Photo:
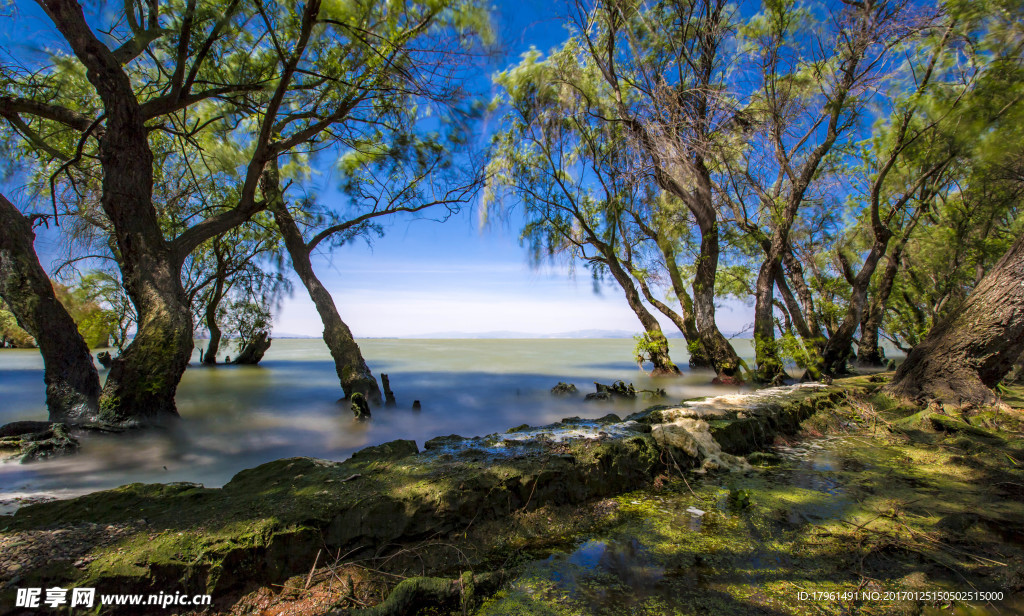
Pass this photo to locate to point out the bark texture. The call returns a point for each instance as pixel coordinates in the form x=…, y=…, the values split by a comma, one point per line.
x=144, y=378
x=971, y=350
x=354, y=374
x=657, y=353
x=72, y=383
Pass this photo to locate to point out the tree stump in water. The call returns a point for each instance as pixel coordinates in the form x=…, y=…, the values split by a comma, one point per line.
x=360, y=407
x=389, y=396
x=253, y=352
x=105, y=359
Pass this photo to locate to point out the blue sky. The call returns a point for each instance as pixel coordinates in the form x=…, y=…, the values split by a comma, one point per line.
x=425, y=277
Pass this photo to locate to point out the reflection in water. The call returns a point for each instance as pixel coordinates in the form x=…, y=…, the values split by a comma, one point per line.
x=621, y=564
x=236, y=417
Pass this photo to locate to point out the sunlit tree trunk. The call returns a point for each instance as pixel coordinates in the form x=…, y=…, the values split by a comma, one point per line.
x=973, y=348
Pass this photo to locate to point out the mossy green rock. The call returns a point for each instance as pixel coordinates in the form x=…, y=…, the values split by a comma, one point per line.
x=269, y=522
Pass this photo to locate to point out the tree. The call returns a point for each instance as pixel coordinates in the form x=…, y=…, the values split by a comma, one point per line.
x=275, y=77
x=666, y=76
x=227, y=282
x=813, y=83
x=72, y=383
x=969, y=352
x=567, y=172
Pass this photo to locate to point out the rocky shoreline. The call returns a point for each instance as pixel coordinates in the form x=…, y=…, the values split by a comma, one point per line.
x=270, y=522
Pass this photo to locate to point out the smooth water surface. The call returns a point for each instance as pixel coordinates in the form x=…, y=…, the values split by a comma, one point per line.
x=236, y=417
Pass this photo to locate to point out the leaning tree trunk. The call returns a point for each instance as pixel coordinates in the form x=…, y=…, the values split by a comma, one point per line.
x=658, y=352
x=72, y=383
x=354, y=374
x=972, y=349
x=688, y=326
x=252, y=353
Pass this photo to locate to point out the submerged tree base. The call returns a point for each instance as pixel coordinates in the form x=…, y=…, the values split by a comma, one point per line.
x=896, y=498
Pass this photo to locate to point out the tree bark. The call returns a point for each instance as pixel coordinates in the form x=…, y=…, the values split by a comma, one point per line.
x=142, y=381
x=719, y=352
x=663, y=364
x=210, y=357
x=72, y=382
x=970, y=351
x=353, y=373
x=698, y=356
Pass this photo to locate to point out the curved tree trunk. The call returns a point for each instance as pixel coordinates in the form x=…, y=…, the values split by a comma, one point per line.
x=971, y=350
x=144, y=378
x=663, y=364
x=688, y=326
x=354, y=374
x=72, y=383
x=210, y=357
x=719, y=352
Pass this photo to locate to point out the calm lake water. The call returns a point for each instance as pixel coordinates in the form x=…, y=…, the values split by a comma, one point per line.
x=236, y=417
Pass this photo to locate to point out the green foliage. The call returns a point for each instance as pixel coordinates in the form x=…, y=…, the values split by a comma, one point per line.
x=802, y=353
x=11, y=335
x=649, y=345
x=98, y=325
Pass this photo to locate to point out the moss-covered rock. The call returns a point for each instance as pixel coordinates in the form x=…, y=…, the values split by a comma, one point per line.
x=270, y=522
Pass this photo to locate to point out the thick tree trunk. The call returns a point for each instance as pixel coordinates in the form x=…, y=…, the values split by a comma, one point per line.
x=144, y=378
x=970, y=351
x=659, y=356
x=719, y=352
x=72, y=383
x=354, y=374
x=769, y=364
x=869, y=353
